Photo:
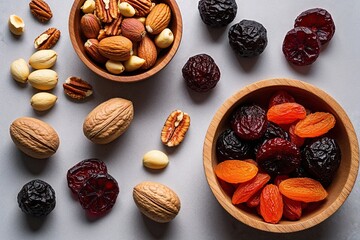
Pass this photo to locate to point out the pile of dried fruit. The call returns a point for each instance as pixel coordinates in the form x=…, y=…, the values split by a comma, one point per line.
x=295, y=157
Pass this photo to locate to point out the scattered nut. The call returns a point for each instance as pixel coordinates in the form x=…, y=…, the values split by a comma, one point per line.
x=164, y=39
x=43, y=59
x=76, y=88
x=126, y=9
x=133, y=63
x=41, y=10
x=156, y=201
x=114, y=67
x=47, y=39
x=88, y=6
x=155, y=159
x=20, y=70
x=43, y=101
x=175, y=128
x=16, y=24
x=43, y=79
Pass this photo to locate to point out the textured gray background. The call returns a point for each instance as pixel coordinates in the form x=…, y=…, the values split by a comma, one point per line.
x=201, y=217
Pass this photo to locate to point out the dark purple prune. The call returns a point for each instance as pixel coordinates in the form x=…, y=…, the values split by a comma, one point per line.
x=36, y=198
x=278, y=156
x=321, y=158
x=201, y=73
x=229, y=146
x=299, y=172
x=217, y=13
x=249, y=122
x=248, y=38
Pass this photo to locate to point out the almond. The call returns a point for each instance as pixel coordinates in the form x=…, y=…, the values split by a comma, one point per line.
x=147, y=51
x=116, y=48
x=90, y=25
x=91, y=47
x=133, y=29
x=158, y=19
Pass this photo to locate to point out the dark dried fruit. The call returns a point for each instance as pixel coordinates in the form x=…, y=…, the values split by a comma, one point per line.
x=278, y=156
x=301, y=46
x=319, y=21
x=229, y=146
x=78, y=174
x=248, y=38
x=99, y=193
x=249, y=122
x=201, y=73
x=321, y=159
x=36, y=198
x=217, y=13
x=280, y=97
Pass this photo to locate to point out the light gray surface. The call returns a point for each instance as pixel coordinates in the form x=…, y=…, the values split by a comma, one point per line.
x=201, y=217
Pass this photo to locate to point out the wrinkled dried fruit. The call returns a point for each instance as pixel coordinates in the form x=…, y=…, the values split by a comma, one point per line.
x=315, y=124
x=228, y=188
x=280, y=97
x=235, y=171
x=254, y=200
x=271, y=204
x=303, y=189
x=295, y=139
x=249, y=122
x=217, y=13
x=292, y=209
x=286, y=113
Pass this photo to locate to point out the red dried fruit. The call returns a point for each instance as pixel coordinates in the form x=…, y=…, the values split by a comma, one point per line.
x=235, y=171
x=254, y=200
x=301, y=46
x=280, y=97
x=271, y=204
x=319, y=21
x=279, y=178
x=292, y=209
x=315, y=125
x=286, y=113
x=99, y=193
x=78, y=174
x=228, y=188
x=295, y=139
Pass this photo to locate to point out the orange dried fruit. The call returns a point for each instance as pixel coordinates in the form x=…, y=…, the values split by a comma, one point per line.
x=235, y=171
x=315, y=124
x=303, y=189
x=292, y=209
x=247, y=189
x=286, y=113
x=271, y=204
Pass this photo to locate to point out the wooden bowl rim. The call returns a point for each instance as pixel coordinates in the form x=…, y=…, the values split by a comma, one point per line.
x=242, y=216
x=127, y=78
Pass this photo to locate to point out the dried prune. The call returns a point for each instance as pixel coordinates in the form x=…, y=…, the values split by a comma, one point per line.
x=229, y=146
x=278, y=156
x=301, y=46
x=99, y=193
x=321, y=159
x=217, y=13
x=78, y=174
x=280, y=97
x=37, y=198
x=201, y=73
x=248, y=38
x=319, y=21
x=249, y=122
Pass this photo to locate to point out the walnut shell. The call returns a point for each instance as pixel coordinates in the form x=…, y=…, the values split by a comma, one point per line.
x=156, y=201
x=108, y=121
x=34, y=137
x=116, y=48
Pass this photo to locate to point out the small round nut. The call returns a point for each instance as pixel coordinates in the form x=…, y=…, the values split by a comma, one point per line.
x=164, y=39
x=43, y=101
x=155, y=159
x=88, y=6
x=16, y=25
x=20, y=70
x=133, y=63
x=114, y=67
x=126, y=9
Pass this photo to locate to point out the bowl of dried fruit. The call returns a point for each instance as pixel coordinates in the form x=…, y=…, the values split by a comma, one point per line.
x=281, y=155
x=127, y=40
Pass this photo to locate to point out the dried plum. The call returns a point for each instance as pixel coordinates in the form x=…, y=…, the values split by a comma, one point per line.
x=280, y=97
x=275, y=131
x=229, y=146
x=249, y=122
x=321, y=158
x=278, y=156
x=201, y=73
x=217, y=13
x=36, y=198
x=248, y=38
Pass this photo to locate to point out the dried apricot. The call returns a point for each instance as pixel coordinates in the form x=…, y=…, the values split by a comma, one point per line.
x=247, y=189
x=286, y=113
x=303, y=189
x=292, y=209
x=235, y=171
x=314, y=125
x=271, y=204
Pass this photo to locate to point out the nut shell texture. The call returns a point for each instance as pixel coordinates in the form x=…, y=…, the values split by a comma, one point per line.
x=108, y=120
x=34, y=137
x=156, y=201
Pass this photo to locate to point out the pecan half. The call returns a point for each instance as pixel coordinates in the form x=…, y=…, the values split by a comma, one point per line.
x=142, y=7
x=175, y=128
x=113, y=29
x=41, y=10
x=47, y=39
x=76, y=88
x=106, y=10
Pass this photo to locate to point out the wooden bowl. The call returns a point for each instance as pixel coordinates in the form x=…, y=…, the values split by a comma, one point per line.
x=314, y=98
x=164, y=57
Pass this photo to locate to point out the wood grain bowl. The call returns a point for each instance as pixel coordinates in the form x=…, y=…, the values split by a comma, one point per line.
x=164, y=56
x=316, y=99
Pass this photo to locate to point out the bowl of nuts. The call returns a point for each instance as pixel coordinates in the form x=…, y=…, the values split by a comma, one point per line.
x=281, y=155
x=127, y=40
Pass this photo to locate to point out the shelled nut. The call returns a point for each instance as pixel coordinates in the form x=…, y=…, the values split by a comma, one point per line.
x=16, y=25
x=19, y=70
